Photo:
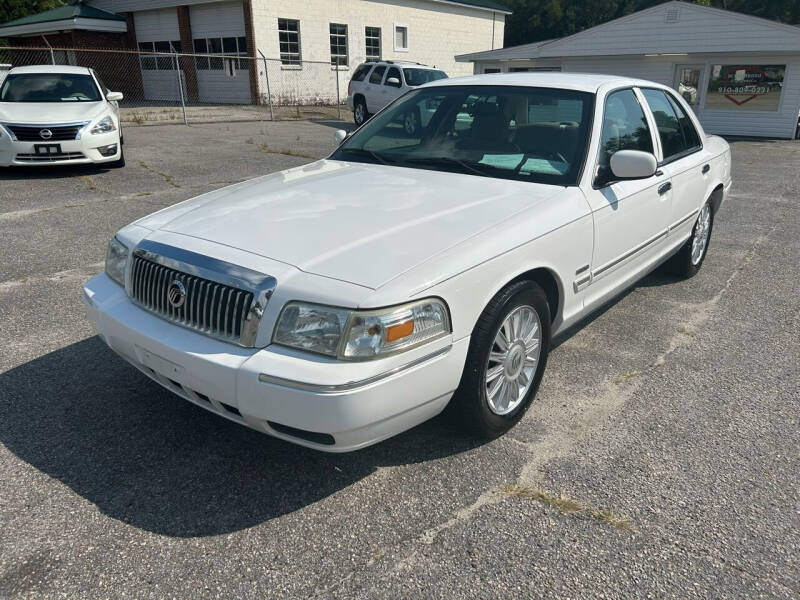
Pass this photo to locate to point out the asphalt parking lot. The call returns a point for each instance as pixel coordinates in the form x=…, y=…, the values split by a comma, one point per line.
x=662, y=458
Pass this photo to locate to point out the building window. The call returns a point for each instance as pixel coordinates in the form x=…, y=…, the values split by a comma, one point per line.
x=519, y=70
x=488, y=70
x=150, y=62
x=373, y=37
x=400, y=38
x=234, y=49
x=289, y=38
x=338, y=44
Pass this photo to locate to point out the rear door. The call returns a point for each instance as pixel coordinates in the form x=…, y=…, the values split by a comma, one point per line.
x=684, y=160
x=630, y=217
x=373, y=89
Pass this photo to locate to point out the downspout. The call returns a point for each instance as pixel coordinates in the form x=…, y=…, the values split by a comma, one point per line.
x=52, y=56
x=494, y=14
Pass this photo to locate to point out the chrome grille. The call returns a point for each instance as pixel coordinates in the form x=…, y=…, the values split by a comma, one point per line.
x=212, y=308
x=50, y=157
x=59, y=133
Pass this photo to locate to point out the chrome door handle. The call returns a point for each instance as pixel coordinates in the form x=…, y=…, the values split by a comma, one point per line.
x=706, y=169
x=664, y=188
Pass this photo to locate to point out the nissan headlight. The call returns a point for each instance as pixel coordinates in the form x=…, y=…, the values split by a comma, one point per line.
x=361, y=335
x=105, y=125
x=116, y=260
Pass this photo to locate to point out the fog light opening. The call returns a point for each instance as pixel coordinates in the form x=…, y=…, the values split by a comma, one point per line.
x=109, y=150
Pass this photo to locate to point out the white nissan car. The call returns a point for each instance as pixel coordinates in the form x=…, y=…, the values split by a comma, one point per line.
x=53, y=115
x=342, y=302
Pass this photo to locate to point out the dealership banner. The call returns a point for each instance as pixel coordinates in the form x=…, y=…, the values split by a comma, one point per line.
x=745, y=87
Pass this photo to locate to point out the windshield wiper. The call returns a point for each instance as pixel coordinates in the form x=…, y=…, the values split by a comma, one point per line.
x=364, y=152
x=446, y=160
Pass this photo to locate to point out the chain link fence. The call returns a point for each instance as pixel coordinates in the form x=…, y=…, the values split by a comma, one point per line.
x=176, y=87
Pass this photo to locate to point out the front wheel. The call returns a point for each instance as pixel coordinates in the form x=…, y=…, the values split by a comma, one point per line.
x=119, y=163
x=688, y=260
x=411, y=122
x=505, y=362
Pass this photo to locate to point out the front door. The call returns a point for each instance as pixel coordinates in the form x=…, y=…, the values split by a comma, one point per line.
x=688, y=83
x=630, y=217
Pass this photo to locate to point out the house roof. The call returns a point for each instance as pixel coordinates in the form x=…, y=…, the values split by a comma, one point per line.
x=698, y=29
x=74, y=10
x=489, y=4
x=509, y=53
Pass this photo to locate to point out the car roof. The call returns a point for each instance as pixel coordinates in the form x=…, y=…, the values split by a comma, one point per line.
x=50, y=69
x=585, y=82
x=401, y=64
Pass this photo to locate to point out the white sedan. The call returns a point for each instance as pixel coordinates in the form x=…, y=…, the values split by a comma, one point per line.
x=342, y=302
x=53, y=115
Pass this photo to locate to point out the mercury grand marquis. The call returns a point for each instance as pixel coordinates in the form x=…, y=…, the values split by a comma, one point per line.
x=339, y=303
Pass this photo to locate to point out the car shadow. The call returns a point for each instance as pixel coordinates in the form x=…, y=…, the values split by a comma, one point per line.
x=150, y=459
x=50, y=172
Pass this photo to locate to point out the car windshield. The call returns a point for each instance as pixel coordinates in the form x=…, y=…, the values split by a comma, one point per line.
x=508, y=132
x=415, y=77
x=49, y=87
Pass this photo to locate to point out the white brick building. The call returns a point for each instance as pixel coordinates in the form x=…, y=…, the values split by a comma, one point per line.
x=308, y=42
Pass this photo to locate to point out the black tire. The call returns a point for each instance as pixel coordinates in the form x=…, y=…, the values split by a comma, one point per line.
x=412, y=122
x=119, y=163
x=469, y=408
x=360, y=114
x=682, y=264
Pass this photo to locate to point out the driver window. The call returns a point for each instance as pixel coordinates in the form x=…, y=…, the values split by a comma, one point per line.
x=393, y=72
x=624, y=128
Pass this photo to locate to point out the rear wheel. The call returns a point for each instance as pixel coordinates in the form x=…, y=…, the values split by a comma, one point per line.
x=360, y=111
x=505, y=362
x=687, y=262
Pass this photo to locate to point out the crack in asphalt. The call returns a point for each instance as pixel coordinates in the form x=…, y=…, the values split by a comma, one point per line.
x=617, y=392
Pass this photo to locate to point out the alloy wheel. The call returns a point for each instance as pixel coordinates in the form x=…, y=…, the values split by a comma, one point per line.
x=513, y=360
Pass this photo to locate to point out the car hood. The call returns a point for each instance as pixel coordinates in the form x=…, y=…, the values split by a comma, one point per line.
x=360, y=223
x=49, y=113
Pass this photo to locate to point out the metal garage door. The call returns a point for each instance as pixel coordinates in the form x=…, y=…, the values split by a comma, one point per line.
x=218, y=28
x=157, y=31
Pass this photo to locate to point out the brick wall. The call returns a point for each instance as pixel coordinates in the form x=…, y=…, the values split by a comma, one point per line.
x=187, y=62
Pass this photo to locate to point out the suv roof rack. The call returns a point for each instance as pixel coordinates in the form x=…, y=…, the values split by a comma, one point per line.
x=404, y=62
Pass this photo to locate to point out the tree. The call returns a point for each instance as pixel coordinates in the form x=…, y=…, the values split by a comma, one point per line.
x=537, y=20
x=16, y=9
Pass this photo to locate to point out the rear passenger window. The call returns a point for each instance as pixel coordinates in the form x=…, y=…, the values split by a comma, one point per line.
x=377, y=74
x=360, y=73
x=677, y=134
x=688, y=129
x=624, y=128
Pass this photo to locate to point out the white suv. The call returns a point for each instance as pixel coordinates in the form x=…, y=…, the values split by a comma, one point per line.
x=376, y=84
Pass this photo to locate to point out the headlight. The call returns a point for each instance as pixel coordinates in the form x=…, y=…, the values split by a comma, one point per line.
x=116, y=260
x=104, y=126
x=361, y=335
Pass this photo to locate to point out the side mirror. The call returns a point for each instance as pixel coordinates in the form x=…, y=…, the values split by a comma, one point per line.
x=114, y=96
x=339, y=136
x=633, y=164
x=393, y=81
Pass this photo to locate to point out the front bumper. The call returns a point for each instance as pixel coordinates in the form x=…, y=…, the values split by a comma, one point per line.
x=75, y=152
x=315, y=402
